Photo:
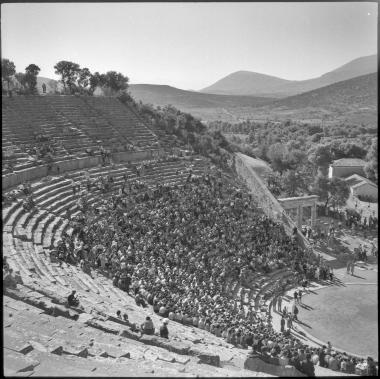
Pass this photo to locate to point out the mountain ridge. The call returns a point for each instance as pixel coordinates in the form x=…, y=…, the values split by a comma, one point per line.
x=250, y=83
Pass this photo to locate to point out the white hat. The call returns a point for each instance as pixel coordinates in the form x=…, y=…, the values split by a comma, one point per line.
x=165, y=321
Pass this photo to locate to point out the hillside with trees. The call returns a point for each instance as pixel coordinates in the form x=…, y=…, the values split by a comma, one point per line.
x=300, y=153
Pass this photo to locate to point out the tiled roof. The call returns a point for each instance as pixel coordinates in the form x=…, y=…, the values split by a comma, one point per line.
x=363, y=183
x=355, y=178
x=349, y=162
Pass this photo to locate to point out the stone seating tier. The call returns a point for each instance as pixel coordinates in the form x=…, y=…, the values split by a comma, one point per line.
x=38, y=343
x=46, y=222
x=28, y=237
x=72, y=124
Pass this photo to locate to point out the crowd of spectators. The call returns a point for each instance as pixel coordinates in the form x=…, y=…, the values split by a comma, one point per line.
x=175, y=248
x=352, y=218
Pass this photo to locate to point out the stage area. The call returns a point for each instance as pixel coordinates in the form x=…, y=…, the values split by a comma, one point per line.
x=345, y=314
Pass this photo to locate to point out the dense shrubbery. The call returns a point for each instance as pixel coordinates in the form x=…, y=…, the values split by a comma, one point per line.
x=188, y=129
x=298, y=150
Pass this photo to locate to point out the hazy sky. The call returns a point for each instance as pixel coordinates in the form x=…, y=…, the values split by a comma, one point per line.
x=189, y=45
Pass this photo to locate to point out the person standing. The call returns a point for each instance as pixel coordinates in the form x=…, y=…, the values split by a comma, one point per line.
x=300, y=296
x=164, y=332
x=333, y=362
x=352, y=268
x=295, y=296
x=331, y=273
x=289, y=321
x=373, y=249
x=274, y=303
x=371, y=367
x=296, y=313
x=307, y=366
x=322, y=355
x=282, y=324
x=365, y=258
x=279, y=304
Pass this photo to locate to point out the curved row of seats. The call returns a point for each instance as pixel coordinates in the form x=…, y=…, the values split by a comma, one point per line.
x=28, y=237
x=55, y=197
x=34, y=233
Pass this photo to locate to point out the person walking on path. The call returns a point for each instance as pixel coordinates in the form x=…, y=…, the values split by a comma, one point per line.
x=352, y=268
x=282, y=324
x=300, y=296
x=348, y=267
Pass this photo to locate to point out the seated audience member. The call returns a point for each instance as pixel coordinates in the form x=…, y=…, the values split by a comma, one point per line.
x=72, y=299
x=164, y=331
x=147, y=326
x=9, y=281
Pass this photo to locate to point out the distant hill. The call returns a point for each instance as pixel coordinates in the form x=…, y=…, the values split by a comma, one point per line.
x=246, y=83
x=251, y=83
x=201, y=105
x=353, y=101
x=357, y=92
x=163, y=94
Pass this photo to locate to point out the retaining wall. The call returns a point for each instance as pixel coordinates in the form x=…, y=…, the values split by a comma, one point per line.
x=254, y=363
x=269, y=204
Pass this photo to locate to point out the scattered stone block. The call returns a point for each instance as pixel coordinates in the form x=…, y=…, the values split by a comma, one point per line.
x=83, y=353
x=174, y=346
x=182, y=360
x=58, y=350
x=60, y=310
x=39, y=347
x=27, y=348
x=84, y=317
x=16, y=362
x=78, y=351
x=213, y=360
x=17, y=374
x=103, y=326
x=129, y=334
x=166, y=358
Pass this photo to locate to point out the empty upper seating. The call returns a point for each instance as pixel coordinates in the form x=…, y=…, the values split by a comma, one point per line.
x=69, y=125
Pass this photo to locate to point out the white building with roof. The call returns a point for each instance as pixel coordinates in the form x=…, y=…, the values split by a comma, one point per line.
x=345, y=167
x=361, y=186
x=365, y=189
